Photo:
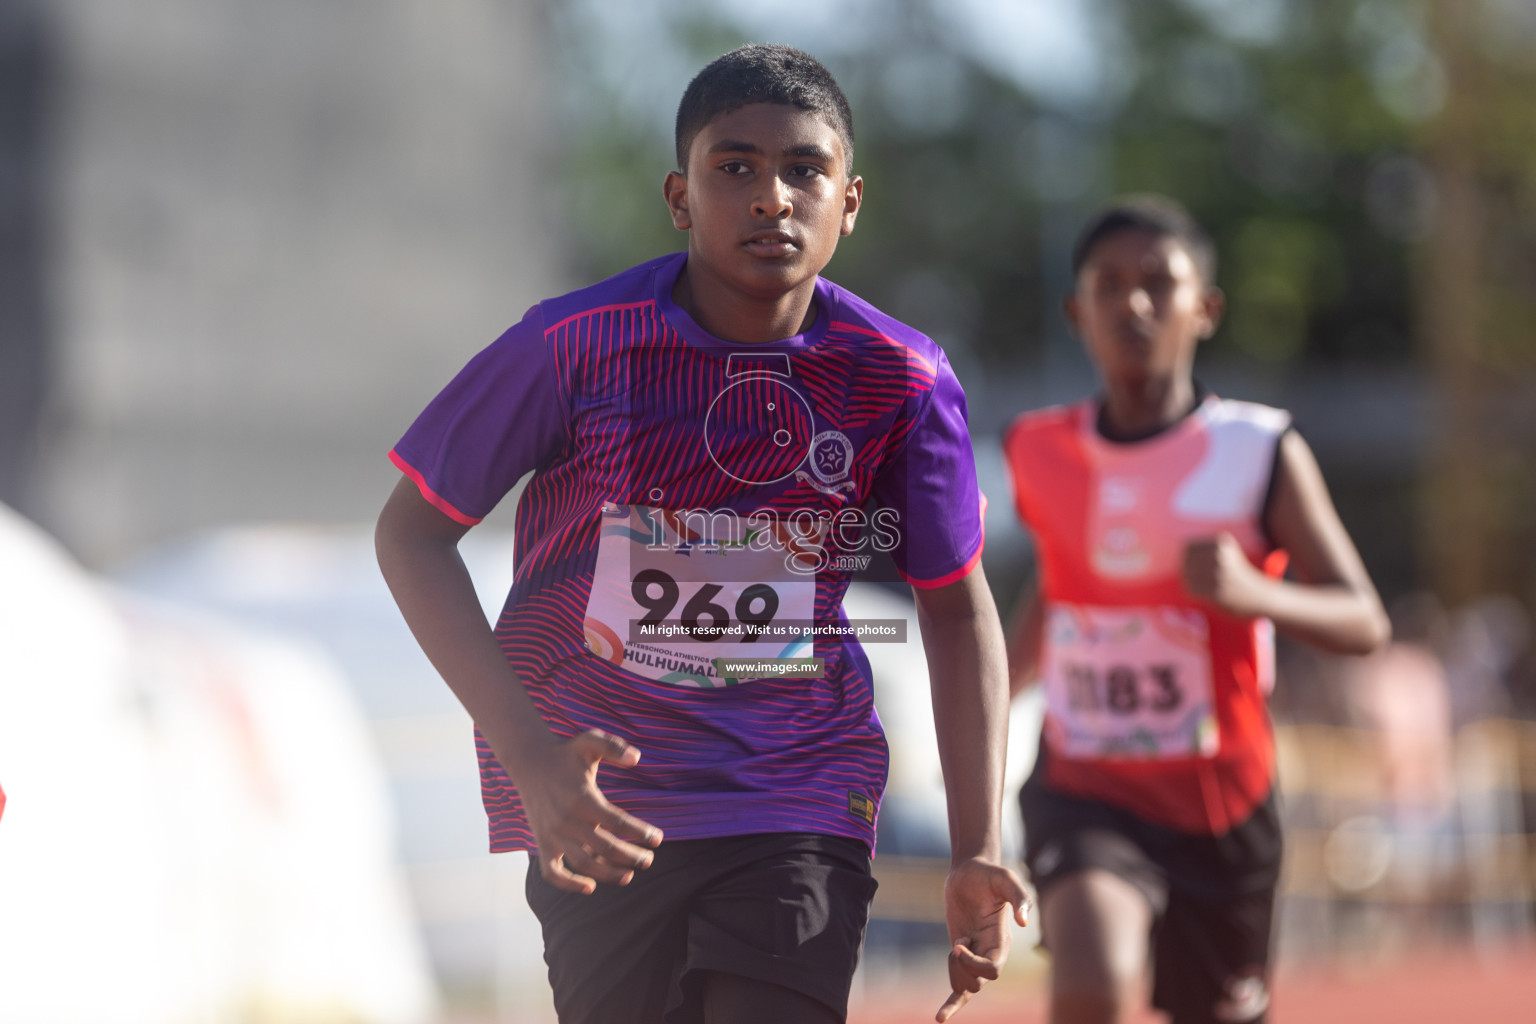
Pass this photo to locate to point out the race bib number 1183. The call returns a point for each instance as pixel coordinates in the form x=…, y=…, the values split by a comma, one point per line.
x=1130, y=683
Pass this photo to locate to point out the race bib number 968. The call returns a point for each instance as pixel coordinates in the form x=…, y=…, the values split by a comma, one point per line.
x=670, y=594
x=1128, y=683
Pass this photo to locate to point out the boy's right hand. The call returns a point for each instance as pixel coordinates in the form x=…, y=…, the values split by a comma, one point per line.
x=1218, y=572
x=580, y=835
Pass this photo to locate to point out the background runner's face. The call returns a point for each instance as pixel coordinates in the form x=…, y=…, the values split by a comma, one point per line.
x=1141, y=308
x=766, y=197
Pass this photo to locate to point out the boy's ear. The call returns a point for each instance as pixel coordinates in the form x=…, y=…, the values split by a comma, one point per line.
x=853, y=198
x=674, y=189
x=1214, y=305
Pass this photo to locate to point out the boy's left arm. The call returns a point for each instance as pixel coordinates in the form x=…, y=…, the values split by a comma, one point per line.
x=968, y=669
x=1331, y=603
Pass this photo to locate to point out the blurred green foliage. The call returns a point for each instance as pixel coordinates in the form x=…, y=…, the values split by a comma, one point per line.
x=1285, y=148
x=1293, y=147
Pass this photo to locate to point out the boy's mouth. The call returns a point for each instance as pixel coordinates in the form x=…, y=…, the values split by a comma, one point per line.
x=770, y=243
x=1132, y=333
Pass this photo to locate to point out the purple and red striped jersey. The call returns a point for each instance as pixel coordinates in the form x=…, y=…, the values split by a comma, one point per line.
x=683, y=481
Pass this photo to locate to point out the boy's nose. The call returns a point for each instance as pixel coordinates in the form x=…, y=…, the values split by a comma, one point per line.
x=773, y=199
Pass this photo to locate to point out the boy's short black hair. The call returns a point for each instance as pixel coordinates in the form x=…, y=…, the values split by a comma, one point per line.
x=1159, y=217
x=762, y=73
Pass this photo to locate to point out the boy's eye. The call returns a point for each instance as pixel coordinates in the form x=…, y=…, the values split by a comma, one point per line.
x=804, y=171
x=734, y=167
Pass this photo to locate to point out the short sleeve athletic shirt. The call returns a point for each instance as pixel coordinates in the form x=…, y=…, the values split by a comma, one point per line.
x=693, y=500
x=1154, y=702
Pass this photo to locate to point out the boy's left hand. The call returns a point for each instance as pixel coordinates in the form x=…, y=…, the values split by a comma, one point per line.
x=977, y=896
x=1217, y=571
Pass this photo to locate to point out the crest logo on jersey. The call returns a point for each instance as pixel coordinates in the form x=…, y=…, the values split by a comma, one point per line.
x=831, y=460
x=1119, y=550
x=831, y=456
x=1119, y=494
x=1120, y=553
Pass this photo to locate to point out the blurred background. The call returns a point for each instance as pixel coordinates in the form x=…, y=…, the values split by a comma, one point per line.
x=242, y=244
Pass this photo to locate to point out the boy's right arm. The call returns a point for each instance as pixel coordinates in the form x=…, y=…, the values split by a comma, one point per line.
x=580, y=835
x=1331, y=603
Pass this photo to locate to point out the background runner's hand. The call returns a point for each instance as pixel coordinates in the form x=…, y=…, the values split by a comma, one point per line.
x=977, y=897
x=1216, y=570
x=580, y=835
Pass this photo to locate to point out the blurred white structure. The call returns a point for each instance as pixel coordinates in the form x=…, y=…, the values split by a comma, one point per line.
x=197, y=827
x=322, y=585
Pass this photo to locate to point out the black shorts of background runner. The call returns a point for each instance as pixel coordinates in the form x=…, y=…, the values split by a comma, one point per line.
x=1212, y=897
x=784, y=908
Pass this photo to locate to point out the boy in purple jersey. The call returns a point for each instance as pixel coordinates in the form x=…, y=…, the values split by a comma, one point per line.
x=708, y=434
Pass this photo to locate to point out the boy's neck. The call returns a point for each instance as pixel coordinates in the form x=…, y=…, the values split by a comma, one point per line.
x=729, y=315
x=1130, y=411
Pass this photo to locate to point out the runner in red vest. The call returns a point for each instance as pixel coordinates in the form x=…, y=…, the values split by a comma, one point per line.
x=1164, y=517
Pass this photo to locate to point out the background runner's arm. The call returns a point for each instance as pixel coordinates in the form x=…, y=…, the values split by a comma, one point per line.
x=1024, y=636
x=968, y=673
x=418, y=553
x=1331, y=603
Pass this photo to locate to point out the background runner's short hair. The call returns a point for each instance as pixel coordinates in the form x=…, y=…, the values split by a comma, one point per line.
x=1155, y=215
x=762, y=73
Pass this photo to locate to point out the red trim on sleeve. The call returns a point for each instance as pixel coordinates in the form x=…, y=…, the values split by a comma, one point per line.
x=439, y=502
x=960, y=573
x=948, y=578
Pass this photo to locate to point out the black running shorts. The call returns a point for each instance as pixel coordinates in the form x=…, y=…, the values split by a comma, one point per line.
x=784, y=908
x=1212, y=897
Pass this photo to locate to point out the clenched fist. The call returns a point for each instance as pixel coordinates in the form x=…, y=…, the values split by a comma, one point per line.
x=1217, y=571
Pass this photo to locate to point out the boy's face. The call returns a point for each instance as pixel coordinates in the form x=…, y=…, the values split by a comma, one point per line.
x=765, y=199
x=1141, y=307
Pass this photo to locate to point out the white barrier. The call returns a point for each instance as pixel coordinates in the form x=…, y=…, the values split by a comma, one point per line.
x=196, y=827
